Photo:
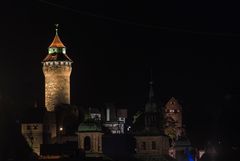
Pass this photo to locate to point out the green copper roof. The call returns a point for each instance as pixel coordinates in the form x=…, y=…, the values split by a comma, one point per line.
x=89, y=127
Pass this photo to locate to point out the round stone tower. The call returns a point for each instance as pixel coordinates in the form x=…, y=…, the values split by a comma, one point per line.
x=57, y=70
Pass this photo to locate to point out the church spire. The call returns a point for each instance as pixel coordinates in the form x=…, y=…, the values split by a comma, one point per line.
x=151, y=104
x=151, y=92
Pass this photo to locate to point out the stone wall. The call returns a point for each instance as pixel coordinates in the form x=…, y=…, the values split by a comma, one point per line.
x=144, y=145
x=57, y=84
x=33, y=133
x=95, y=141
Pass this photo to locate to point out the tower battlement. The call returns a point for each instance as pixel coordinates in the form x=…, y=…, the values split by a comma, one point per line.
x=55, y=68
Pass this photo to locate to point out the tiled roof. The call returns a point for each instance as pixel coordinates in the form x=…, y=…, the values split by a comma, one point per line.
x=57, y=42
x=57, y=57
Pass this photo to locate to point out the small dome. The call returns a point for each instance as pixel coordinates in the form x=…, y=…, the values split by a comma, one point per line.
x=89, y=127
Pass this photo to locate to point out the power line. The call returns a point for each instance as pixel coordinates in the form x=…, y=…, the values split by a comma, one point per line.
x=122, y=21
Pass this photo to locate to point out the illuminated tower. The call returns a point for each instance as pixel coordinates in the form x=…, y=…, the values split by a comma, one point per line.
x=174, y=110
x=57, y=70
x=173, y=117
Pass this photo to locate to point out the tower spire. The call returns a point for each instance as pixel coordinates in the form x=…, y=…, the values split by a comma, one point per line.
x=151, y=92
x=56, y=43
x=56, y=28
x=151, y=104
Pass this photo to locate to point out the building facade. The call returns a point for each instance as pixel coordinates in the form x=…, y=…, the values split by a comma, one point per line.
x=151, y=143
x=90, y=139
x=173, y=119
x=33, y=134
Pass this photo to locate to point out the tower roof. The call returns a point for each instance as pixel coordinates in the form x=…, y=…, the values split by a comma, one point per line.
x=57, y=41
x=173, y=104
x=57, y=51
x=57, y=57
x=89, y=127
x=151, y=105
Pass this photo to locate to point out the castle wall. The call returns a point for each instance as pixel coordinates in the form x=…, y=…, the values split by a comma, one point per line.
x=57, y=83
x=144, y=145
x=95, y=139
x=33, y=133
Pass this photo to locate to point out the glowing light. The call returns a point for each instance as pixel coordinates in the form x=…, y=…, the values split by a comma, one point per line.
x=189, y=156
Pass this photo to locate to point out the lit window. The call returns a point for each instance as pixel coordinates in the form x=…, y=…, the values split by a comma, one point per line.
x=35, y=127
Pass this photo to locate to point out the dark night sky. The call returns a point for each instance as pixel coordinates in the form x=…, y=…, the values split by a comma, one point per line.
x=192, y=48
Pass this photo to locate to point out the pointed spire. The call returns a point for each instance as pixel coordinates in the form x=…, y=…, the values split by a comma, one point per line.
x=151, y=92
x=57, y=43
x=151, y=105
x=56, y=28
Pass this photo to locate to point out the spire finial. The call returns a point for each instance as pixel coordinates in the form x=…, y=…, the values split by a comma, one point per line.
x=56, y=28
x=151, y=77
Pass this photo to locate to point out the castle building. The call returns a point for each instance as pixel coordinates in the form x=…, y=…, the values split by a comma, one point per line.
x=53, y=127
x=173, y=118
x=115, y=119
x=39, y=129
x=173, y=128
x=90, y=138
x=151, y=143
x=32, y=128
x=57, y=70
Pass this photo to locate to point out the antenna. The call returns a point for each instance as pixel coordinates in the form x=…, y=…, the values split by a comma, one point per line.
x=56, y=28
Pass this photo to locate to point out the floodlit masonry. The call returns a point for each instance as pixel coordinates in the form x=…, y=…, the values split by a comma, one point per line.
x=57, y=70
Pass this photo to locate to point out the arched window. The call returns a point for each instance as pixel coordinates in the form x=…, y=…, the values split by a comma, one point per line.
x=87, y=143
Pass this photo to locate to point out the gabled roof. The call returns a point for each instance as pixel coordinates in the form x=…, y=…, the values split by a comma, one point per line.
x=173, y=104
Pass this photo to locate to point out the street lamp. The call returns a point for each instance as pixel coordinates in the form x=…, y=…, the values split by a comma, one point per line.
x=60, y=134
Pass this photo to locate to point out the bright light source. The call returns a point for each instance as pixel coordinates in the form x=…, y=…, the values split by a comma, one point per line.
x=61, y=129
